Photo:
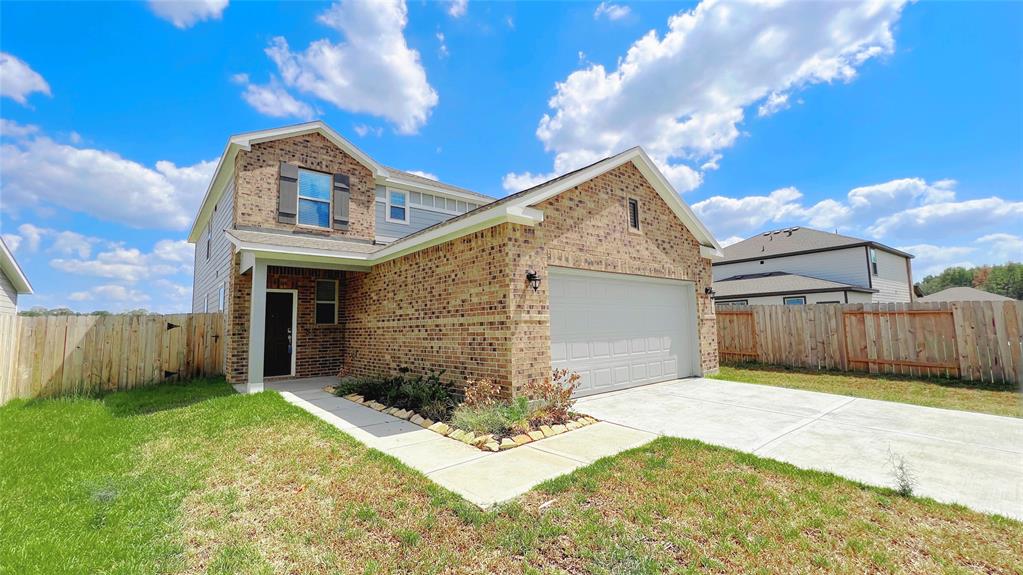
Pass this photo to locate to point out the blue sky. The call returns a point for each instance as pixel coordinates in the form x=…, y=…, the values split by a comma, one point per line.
x=898, y=122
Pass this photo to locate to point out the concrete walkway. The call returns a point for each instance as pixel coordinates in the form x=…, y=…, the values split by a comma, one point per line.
x=482, y=477
x=959, y=457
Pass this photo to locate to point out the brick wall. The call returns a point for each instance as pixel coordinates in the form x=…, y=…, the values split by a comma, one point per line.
x=318, y=347
x=257, y=185
x=445, y=307
x=587, y=228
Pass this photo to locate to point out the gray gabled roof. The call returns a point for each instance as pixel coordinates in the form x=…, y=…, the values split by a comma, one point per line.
x=963, y=294
x=777, y=283
x=791, y=241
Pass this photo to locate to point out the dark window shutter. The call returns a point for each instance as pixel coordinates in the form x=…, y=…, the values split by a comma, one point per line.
x=287, y=201
x=342, y=197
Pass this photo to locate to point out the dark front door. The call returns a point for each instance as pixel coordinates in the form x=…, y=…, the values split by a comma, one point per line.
x=277, y=345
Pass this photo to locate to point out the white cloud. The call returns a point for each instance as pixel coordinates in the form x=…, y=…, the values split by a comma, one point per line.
x=774, y=103
x=458, y=8
x=18, y=80
x=611, y=11
x=12, y=129
x=274, y=100
x=422, y=174
x=38, y=171
x=186, y=13
x=362, y=130
x=991, y=249
x=29, y=236
x=742, y=217
x=168, y=257
x=373, y=71
x=442, y=47
x=117, y=294
x=950, y=218
x=682, y=96
x=13, y=241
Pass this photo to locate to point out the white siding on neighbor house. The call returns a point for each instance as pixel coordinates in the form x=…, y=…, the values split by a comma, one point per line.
x=831, y=296
x=420, y=215
x=8, y=295
x=210, y=274
x=892, y=279
x=848, y=266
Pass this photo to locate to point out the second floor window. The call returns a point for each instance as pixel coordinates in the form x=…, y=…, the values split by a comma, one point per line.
x=314, y=191
x=397, y=206
x=873, y=261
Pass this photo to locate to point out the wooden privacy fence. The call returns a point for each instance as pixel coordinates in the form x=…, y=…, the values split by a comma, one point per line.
x=69, y=355
x=976, y=341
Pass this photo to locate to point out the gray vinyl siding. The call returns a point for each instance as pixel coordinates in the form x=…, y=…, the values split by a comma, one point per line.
x=848, y=266
x=8, y=295
x=210, y=275
x=419, y=218
x=892, y=279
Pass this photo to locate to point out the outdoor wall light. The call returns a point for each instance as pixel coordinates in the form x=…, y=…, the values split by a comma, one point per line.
x=709, y=291
x=534, y=279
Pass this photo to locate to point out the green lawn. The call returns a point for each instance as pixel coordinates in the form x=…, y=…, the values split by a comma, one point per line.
x=196, y=479
x=944, y=393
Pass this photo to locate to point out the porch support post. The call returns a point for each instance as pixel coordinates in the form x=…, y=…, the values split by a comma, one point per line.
x=257, y=327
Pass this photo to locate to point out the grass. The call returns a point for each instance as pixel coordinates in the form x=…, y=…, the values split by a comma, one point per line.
x=934, y=392
x=195, y=479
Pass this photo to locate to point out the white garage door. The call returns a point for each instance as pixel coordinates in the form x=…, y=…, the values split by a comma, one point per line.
x=620, y=331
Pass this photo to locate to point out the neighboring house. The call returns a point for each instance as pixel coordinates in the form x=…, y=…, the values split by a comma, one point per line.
x=12, y=281
x=803, y=266
x=962, y=294
x=325, y=261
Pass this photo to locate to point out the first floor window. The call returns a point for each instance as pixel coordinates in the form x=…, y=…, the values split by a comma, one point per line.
x=797, y=300
x=732, y=302
x=205, y=304
x=397, y=206
x=314, y=191
x=326, y=301
x=220, y=298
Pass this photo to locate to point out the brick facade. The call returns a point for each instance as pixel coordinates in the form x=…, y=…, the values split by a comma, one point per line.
x=257, y=185
x=464, y=306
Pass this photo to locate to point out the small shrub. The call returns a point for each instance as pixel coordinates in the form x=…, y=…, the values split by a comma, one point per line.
x=437, y=410
x=554, y=395
x=481, y=420
x=481, y=393
x=400, y=390
x=905, y=480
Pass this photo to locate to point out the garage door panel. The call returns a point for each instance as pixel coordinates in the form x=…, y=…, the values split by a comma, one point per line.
x=619, y=331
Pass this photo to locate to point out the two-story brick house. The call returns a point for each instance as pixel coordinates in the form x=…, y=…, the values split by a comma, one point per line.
x=325, y=260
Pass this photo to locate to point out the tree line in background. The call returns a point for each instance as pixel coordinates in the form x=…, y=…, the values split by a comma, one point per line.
x=1005, y=279
x=42, y=311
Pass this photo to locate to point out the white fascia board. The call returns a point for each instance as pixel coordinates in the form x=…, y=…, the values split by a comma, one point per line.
x=264, y=251
x=711, y=253
x=10, y=268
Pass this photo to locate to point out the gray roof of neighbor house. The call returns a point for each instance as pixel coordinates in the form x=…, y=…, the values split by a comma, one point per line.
x=791, y=241
x=963, y=294
x=777, y=283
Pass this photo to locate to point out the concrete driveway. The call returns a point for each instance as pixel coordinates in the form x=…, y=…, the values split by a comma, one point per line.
x=957, y=457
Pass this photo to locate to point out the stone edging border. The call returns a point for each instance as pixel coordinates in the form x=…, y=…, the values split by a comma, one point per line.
x=483, y=442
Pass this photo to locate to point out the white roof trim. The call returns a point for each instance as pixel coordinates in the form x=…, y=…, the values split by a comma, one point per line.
x=12, y=270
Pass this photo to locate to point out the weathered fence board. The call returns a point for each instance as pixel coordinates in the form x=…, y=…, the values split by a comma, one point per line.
x=976, y=341
x=67, y=355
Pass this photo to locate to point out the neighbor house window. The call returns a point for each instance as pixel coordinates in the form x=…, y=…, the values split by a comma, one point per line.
x=873, y=261
x=314, y=191
x=732, y=302
x=326, y=301
x=633, y=214
x=206, y=303
x=220, y=298
x=209, y=237
x=797, y=300
x=397, y=206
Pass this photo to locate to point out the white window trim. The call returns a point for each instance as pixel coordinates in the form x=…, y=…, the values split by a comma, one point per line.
x=206, y=303
x=387, y=206
x=294, y=326
x=222, y=296
x=317, y=301
x=299, y=197
x=802, y=297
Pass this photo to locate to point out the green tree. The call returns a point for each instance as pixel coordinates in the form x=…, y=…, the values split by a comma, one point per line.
x=1006, y=280
x=951, y=277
